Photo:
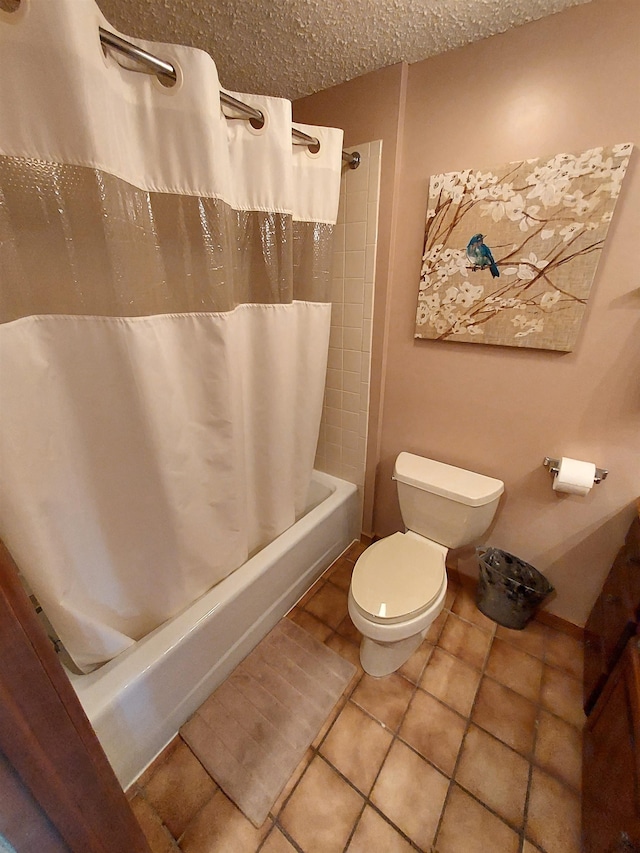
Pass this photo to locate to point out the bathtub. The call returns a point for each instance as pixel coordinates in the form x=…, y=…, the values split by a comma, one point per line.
x=137, y=702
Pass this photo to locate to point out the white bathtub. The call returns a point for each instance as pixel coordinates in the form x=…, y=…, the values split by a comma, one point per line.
x=138, y=701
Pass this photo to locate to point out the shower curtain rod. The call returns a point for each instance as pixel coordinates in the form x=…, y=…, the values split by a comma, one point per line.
x=159, y=66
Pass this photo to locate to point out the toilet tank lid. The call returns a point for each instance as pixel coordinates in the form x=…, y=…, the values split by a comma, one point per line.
x=456, y=484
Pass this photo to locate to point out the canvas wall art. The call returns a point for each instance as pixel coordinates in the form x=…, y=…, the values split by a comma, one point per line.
x=510, y=254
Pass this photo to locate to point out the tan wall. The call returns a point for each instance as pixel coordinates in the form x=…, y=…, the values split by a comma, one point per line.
x=566, y=83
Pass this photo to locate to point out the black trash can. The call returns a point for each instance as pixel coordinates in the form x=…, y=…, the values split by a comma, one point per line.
x=509, y=590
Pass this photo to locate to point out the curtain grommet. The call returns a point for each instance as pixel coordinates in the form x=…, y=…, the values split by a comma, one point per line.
x=13, y=12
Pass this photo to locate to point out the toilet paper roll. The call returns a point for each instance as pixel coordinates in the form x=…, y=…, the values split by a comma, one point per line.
x=574, y=477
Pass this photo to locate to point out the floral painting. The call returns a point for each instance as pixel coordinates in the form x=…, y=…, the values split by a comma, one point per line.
x=510, y=254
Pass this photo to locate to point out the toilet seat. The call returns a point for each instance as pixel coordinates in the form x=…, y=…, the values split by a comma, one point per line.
x=398, y=577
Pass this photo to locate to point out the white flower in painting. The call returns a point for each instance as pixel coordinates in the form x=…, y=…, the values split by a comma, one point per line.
x=549, y=299
x=623, y=149
x=512, y=302
x=442, y=274
x=440, y=324
x=520, y=321
x=547, y=233
x=432, y=302
x=532, y=326
x=435, y=185
x=578, y=202
x=549, y=190
x=431, y=212
x=422, y=315
x=509, y=271
x=591, y=226
x=433, y=254
x=468, y=294
x=450, y=295
x=528, y=267
x=475, y=330
x=569, y=231
x=494, y=209
x=608, y=216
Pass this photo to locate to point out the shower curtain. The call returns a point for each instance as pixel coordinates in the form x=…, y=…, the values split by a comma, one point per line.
x=165, y=321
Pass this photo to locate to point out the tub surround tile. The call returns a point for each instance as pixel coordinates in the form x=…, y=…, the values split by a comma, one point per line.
x=386, y=699
x=506, y=715
x=356, y=746
x=494, y=774
x=439, y=739
x=451, y=680
x=468, y=826
x=322, y=810
x=411, y=793
x=515, y=669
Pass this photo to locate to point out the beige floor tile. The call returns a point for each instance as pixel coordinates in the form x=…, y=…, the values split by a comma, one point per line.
x=277, y=843
x=506, y=715
x=434, y=730
x=222, y=826
x=354, y=550
x=530, y=639
x=451, y=680
x=357, y=746
x=331, y=718
x=373, y=834
x=465, y=607
x=411, y=793
x=310, y=624
x=433, y=634
x=562, y=695
x=528, y=847
x=559, y=749
x=157, y=835
x=413, y=668
x=553, y=818
x=465, y=641
x=386, y=698
x=312, y=591
x=322, y=810
x=452, y=590
x=495, y=774
x=467, y=827
x=348, y=630
x=329, y=605
x=151, y=770
x=515, y=669
x=183, y=773
x=340, y=573
x=565, y=652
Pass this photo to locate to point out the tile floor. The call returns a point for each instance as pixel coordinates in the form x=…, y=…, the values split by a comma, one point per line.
x=473, y=746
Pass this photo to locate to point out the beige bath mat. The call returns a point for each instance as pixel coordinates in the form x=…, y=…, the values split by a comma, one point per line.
x=252, y=732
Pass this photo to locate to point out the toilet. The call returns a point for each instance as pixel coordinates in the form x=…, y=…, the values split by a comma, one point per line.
x=399, y=583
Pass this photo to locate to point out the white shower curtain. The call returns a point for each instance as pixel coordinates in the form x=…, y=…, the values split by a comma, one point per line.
x=165, y=321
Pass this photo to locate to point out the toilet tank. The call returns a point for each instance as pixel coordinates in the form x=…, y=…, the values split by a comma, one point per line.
x=449, y=505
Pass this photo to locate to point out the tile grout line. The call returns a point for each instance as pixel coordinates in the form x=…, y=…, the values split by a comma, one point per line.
x=468, y=726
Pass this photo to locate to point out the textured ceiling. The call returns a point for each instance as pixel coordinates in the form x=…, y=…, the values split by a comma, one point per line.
x=291, y=48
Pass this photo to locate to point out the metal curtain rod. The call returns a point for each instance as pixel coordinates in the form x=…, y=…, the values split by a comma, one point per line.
x=160, y=66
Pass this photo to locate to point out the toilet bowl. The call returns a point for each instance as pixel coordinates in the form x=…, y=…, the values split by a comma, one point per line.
x=399, y=583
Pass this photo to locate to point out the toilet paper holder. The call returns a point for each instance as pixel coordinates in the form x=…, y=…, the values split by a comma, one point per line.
x=554, y=466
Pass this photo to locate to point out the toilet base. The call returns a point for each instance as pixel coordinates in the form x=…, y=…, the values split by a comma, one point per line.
x=379, y=659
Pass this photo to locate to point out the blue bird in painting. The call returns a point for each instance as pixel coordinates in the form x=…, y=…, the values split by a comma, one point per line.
x=480, y=255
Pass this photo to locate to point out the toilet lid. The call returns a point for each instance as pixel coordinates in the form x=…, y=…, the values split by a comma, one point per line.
x=398, y=576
